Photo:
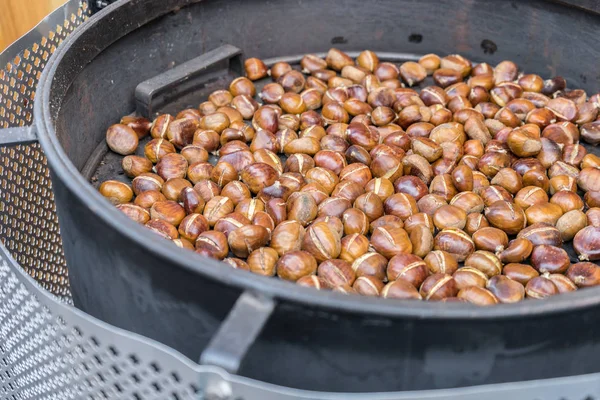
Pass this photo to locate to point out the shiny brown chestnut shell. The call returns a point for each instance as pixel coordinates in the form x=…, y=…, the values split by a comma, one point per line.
x=456, y=242
x=552, y=259
x=438, y=286
x=587, y=243
x=506, y=216
x=584, y=274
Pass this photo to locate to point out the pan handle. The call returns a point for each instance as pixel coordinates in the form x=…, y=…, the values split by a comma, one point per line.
x=19, y=135
x=238, y=331
x=185, y=78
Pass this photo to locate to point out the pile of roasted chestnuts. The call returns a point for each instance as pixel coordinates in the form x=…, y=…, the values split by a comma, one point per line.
x=338, y=174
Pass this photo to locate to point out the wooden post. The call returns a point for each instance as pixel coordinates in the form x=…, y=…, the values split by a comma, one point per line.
x=17, y=17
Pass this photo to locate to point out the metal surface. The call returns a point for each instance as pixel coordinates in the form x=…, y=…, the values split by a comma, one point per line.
x=51, y=351
x=14, y=136
x=175, y=83
x=320, y=340
x=28, y=222
x=124, y=274
x=238, y=332
x=588, y=5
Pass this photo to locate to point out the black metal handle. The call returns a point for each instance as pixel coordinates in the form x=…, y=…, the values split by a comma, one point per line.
x=19, y=135
x=238, y=332
x=186, y=77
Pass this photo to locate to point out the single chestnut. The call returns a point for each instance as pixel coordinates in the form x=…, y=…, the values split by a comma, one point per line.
x=149, y=197
x=540, y=287
x=421, y=238
x=518, y=250
x=336, y=273
x=155, y=149
x=390, y=241
x=449, y=216
x=469, y=202
x=213, y=244
x=169, y=211
x=244, y=240
x=353, y=246
x=368, y=286
x=122, y=139
x=370, y=264
x=400, y=289
x=217, y=208
x=263, y=261
x=295, y=265
x=370, y=204
x=429, y=204
x=287, y=236
x=485, y=261
x=541, y=233
x=584, y=274
x=546, y=258
x=490, y=239
x=456, y=242
x=408, y=267
x=478, y=296
x=506, y=216
x=570, y=223
x=322, y=241
x=467, y=277
x=231, y=222
x=438, y=286
x=162, y=228
x=439, y=261
x=173, y=188
x=475, y=222
x=134, y=212
x=302, y=207
x=505, y=289
x=116, y=192
x=521, y=273
x=567, y=200
x=255, y=69
x=387, y=221
x=562, y=283
x=401, y=205
x=587, y=243
x=136, y=165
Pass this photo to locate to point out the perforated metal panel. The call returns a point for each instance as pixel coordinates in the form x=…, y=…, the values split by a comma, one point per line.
x=48, y=351
x=28, y=222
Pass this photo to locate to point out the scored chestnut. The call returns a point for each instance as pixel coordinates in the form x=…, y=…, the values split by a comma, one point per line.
x=344, y=175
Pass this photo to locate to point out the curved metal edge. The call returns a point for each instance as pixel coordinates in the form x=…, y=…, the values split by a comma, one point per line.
x=587, y=5
x=243, y=280
x=56, y=17
x=218, y=384
x=572, y=388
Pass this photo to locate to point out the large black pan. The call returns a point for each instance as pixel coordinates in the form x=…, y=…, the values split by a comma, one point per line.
x=129, y=277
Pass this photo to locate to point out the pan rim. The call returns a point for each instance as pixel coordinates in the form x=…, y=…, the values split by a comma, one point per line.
x=65, y=170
